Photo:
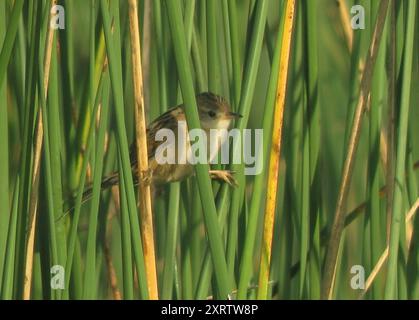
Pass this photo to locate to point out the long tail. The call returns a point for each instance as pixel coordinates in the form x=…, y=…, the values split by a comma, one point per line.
x=106, y=183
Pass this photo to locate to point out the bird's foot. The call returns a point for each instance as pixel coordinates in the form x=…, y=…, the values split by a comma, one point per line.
x=147, y=176
x=224, y=175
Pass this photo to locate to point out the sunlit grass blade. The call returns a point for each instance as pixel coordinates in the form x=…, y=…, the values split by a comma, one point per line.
x=7, y=281
x=4, y=154
x=275, y=150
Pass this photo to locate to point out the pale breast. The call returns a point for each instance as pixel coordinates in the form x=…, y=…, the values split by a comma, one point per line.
x=181, y=148
x=217, y=138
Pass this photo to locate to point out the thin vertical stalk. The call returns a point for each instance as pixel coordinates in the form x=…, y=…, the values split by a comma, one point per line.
x=114, y=56
x=390, y=290
x=205, y=270
x=391, y=118
x=90, y=268
x=377, y=100
x=212, y=47
x=247, y=93
x=171, y=240
x=346, y=23
x=33, y=206
x=7, y=283
x=127, y=274
x=249, y=242
x=28, y=123
x=72, y=238
x=235, y=52
x=161, y=52
x=146, y=51
x=275, y=151
x=336, y=234
x=313, y=118
x=4, y=154
x=9, y=39
x=204, y=183
x=142, y=155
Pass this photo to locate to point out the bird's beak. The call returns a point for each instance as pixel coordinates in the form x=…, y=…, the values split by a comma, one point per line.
x=234, y=115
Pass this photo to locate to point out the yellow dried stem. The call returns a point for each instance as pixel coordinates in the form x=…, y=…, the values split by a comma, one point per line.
x=33, y=204
x=346, y=23
x=275, y=154
x=147, y=233
x=384, y=255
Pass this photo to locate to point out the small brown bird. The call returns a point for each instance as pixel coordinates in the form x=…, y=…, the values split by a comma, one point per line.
x=214, y=113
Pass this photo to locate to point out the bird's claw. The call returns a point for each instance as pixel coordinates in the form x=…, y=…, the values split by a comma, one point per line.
x=224, y=175
x=147, y=176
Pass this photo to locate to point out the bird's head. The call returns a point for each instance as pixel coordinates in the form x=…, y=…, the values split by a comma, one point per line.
x=214, y=111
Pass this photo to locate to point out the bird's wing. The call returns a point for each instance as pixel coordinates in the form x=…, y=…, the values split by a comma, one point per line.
x=168, y=120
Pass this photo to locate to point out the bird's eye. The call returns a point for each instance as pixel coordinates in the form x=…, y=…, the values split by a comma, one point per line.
x=211, y=114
